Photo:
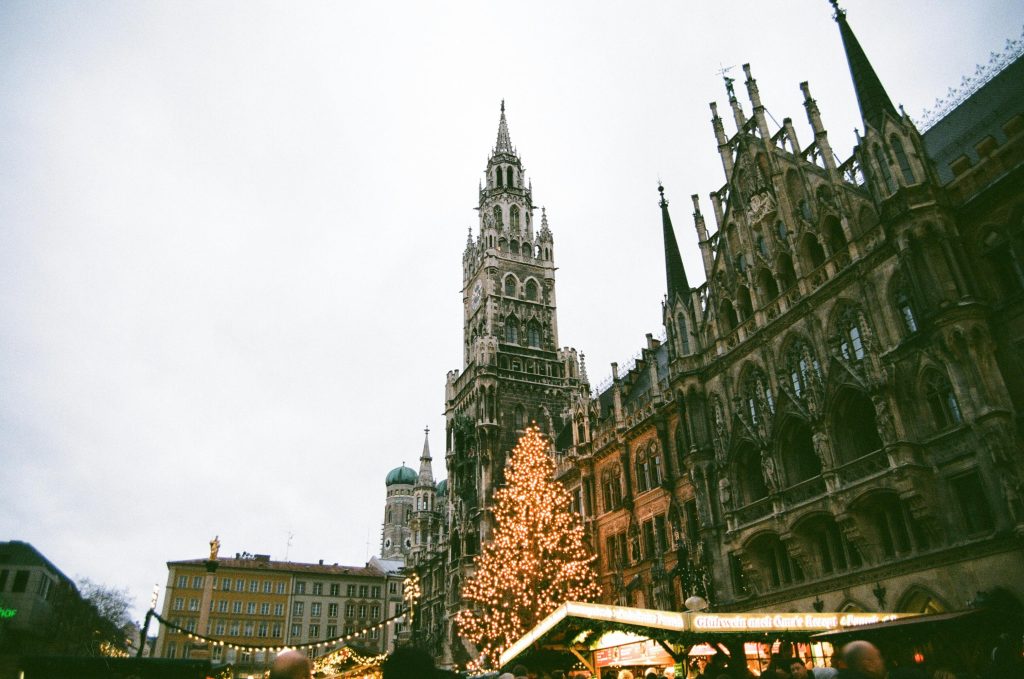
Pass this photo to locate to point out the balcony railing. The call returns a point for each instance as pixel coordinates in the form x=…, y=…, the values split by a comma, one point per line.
x=754, y=511
x=863, y=467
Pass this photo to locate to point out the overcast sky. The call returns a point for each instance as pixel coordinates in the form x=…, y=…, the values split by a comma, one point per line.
x=231, y=233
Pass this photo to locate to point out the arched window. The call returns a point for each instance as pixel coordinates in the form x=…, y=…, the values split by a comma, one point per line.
x=812, y=251
x=834, y=552
x=511, y=330
x=684, y=334
x=942, y=403
x=511, y=286
x=834, y=235
x=727, y=317
x=803, y=368
x=906, y=310
x=746, y=309
x=519, y=417
x=499, y=177
x=513, y=215
x=854, y=427
x=805, y=210
x=902, y=160
x=510, y=176
x=527, y=249
x=787, y=275
x=741, y=262
x=531, y=290
x=797, y=452
x=752, y=485
x=883, y=167
x=497, y=216
x=611, y=489
x=778, y=566
x=1003, y=265
x=851, y=344
x=757, y=397
x=533, y=334
x=766, y=284
x=762, y=246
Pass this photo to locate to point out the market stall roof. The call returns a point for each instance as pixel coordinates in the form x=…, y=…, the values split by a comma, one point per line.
x=976, y=619
x=573, y=624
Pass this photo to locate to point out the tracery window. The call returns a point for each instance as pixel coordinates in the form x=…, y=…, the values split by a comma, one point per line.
x=611, y=489
x=684, y=335
x=851, y=343
x=902, y=160
x=533, y=334
x=497, y=214
x=942, y=403
x=531, y=290
x=511, y=286
x=803, y=367
x=513, y=213
x=511, y=330
x=906, y=310
x=883, y=167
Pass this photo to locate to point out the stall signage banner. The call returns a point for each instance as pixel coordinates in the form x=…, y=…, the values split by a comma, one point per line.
x=771, y=622
x=639, y=653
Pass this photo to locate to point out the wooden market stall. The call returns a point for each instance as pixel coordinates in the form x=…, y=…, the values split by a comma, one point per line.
x=599, y=636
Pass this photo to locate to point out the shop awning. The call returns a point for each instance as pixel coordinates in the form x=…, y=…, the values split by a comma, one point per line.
x=574, y=625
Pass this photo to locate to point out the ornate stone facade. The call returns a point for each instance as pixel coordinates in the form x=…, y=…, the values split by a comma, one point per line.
x=832, y=419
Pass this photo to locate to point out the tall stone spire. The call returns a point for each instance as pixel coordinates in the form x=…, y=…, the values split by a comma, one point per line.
x=426, y=476
x=871, y=96
x=504, y=144
x=674, y=271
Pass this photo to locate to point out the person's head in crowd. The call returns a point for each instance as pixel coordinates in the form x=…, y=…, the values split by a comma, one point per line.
x=291, y=665
x=798, y=669
x=864, y=658
x=408, y=662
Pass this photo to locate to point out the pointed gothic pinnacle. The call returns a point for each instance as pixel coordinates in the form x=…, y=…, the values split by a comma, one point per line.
x=839, y=10
x=504, y=142
x=661, y=191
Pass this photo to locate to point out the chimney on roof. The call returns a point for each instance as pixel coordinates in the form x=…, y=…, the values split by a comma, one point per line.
x=237, y=555
x=321, y=562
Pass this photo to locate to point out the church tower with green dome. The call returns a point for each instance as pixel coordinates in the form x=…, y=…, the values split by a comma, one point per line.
x=396, y=538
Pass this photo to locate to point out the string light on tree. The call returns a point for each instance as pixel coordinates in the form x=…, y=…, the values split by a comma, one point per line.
x=536, y=561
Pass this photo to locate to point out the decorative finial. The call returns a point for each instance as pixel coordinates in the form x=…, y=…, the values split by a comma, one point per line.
x=502, y=105
x=426, y=430
x=661, y=191
x=840, y=12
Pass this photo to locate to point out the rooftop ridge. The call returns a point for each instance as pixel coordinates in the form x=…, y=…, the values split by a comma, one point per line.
x=998, y=61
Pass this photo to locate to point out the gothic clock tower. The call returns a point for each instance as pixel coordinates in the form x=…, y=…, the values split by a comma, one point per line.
x=514, y=373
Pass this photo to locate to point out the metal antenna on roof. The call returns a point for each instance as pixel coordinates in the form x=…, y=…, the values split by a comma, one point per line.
x=288, y=546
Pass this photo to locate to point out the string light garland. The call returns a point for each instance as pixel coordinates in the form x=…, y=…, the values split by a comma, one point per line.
x=537, y=558
x=341, y=638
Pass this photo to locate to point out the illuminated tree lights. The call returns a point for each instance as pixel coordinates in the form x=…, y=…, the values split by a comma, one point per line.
x=536, y=560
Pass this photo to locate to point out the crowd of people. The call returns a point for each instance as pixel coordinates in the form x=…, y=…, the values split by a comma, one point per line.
x=856, y=660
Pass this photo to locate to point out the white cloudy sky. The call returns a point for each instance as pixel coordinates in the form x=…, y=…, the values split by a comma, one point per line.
x=231, y=232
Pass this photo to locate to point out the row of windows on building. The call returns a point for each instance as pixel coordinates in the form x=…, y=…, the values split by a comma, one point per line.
x=264, y=630
x=280, y=587
x=514, y=335
x=19, y=583
x=315, y=610
x=265, y=608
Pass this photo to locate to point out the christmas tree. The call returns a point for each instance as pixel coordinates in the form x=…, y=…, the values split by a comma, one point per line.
x=536, y=560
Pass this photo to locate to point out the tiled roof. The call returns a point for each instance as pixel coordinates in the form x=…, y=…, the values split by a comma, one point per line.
x=286, y=567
